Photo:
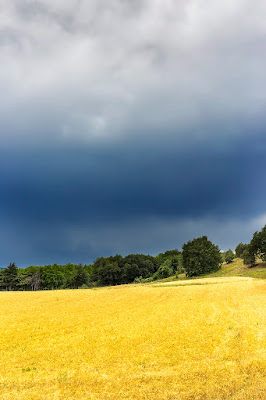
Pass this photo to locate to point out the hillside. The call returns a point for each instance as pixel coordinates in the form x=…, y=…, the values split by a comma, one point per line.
x=236, y=268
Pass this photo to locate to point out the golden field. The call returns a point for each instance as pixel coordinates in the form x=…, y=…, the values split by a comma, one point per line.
x=157, y=342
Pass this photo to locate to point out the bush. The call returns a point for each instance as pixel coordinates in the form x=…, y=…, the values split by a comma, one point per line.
x=140, y=279
x=164, y=271
x=84, y=286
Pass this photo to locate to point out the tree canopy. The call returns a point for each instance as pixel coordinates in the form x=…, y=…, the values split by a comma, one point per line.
x=257, y=245
x=201, y=256
x=229, y=256
x=240, y=248
x=10, y=276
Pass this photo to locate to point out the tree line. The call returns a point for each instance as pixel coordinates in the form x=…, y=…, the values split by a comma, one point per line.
x=113, y=270
x=199, y=256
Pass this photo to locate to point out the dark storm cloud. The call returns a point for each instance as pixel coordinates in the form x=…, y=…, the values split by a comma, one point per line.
x=87, y=202
x=129, y=125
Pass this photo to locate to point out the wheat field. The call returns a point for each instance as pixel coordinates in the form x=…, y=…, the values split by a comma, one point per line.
x=157, y=342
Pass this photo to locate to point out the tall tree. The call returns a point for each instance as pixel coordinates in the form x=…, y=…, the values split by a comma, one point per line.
x=10, y=276
x=1, y=279
x=79, y=277
x=257, y=244
x=201, y=256
x=52, y=276
x=229, y=256
x=35, y=280
x=249, y=257
x=240, y=248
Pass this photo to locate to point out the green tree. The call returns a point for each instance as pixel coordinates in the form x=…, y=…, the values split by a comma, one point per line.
x=130, y=272
x=52, y=276
x=107, y=270
x=1, y=279
x=141, y=265
x=249, y=257
x=115, y=270
x=109, y=274
x=29, y=278
x=257, y=244
x=173, y=255
x=240, y=248
x=164, y=270
x=229, y=256
x=10, y=276
x=201, y=256
x=79, y=277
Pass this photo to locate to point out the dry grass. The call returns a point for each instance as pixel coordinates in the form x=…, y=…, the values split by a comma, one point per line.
x=135, y=342
x=202, y=281
x=238, y=268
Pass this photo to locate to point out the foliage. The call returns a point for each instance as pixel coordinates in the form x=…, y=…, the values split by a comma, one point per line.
x=201, y=256
x=107, y=270
x=75, y=276
x=257, y=244
x=165, y=270
x=141, y=265
x=240, y=248
x=29, y=278
x=116, y=270
x=249, y=257
x=112, y=270
x=175, y=256
x=229, y=256
x=238, y=268
x=52, y=276
x=1, y=279
x=139, y=279
x=10, y=276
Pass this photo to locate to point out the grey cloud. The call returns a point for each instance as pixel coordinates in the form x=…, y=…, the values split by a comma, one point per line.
x=97, y=69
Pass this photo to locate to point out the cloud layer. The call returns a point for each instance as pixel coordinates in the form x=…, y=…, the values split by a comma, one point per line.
x=106, y=69
x=120, y=117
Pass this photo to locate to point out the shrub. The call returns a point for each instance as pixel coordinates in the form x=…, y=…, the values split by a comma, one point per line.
x=164, y=271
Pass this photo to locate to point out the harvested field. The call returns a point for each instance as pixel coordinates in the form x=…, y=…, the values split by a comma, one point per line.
x=201, y=341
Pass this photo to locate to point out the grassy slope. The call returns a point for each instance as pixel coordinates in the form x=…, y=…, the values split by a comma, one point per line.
x=236, y=268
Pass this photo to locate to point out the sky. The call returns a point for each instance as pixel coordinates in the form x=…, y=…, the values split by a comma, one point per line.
x=129, y=126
